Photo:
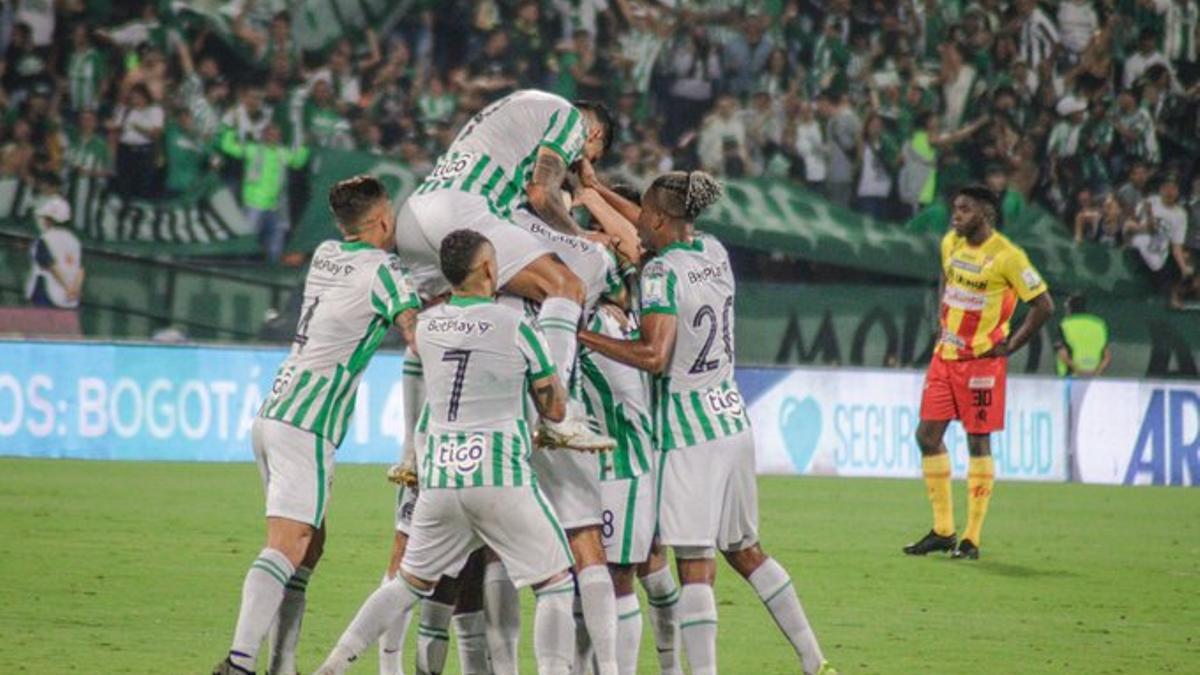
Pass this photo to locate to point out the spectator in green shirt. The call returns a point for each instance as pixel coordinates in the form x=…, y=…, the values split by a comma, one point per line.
x=263, y=178
x=87, y=151
x=1012, y=204
x=187, y=155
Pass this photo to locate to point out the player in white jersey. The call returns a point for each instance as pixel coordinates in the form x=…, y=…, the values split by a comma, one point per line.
x=515, y=151
x=477, y=485
x=355, y=291
x=707, y=491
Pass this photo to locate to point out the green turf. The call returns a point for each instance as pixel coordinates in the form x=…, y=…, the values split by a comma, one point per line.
x=113, y=567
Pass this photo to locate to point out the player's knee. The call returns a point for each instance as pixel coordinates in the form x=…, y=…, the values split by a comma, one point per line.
x=979, y=445
x=417, y=583
x=746, y=560
x=622, y=578
x=928, y=440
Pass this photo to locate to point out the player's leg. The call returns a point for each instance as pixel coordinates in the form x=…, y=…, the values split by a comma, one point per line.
x=285, y=632
x=629, y=618
x=774, y=587
x=391, y=643
x=662, y=595
x=981, y=478
x=546, y=280
x=533, y=547
x=433, y=629
x=502, y=606
x=697, y=610
x=470, y=624
x=981, y=394
x=938, y=407
x=439, y=543
x=297, y=472
x=596, y=597
x=737, y=537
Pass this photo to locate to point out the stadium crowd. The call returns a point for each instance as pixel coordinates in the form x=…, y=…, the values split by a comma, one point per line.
x=1090, y=108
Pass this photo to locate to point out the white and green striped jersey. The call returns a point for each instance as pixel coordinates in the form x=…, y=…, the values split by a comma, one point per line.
x=478, y=358
x=352, y=296
x=696, y=399
x=85, y=74
x=618, y=396
x=493, y=154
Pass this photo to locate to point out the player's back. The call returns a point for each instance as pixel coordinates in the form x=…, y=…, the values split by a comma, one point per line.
x=493, y=155
x=352, y=294
x=476, y=358
x=696, y=398
x=618, y=396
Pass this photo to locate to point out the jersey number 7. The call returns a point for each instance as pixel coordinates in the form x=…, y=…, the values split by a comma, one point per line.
x=462, y=357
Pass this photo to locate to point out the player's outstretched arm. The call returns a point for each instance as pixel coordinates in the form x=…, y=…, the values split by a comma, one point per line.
x=545, y=192
x=550, y=397
x=589, y=179
x=1041, y=309
x=651, y=352
x=613, y=223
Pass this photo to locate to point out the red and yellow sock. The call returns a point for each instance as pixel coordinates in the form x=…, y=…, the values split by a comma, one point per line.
x=937, y=483
x=981, y=475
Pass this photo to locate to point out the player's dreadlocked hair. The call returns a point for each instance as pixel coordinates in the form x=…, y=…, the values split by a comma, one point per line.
x=603, y=116
x=350, y=199
x=684, y=194
x=457, y=254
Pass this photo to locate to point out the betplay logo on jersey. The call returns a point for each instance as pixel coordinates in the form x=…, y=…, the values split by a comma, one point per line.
x=724, y=402
x=463, y=458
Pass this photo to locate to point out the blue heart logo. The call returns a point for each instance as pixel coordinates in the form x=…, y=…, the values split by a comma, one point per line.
x=800, y=427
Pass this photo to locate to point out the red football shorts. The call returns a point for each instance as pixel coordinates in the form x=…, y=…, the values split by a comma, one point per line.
x=971, y=391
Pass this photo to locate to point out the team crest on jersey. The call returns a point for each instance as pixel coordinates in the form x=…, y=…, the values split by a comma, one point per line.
x=462, y=458
x=1031, y=278
x=724, y=402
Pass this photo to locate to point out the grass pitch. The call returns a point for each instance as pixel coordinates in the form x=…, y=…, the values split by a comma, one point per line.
x=113, y=567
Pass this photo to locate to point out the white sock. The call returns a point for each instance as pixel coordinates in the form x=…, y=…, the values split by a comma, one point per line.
x=583, y=642
x=629, y=633
x=262, y=593
x=774, y=588
x=386, y=606
x=502, y=605
x=553, y=628
x=662, y=594
x=470, y=629
x=433, y=637
x=698, y=627
x=391, y=644
x=600, y=614
x=285, y=632
x=559, y=321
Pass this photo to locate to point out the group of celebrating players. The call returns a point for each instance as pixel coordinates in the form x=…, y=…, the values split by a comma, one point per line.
x=570, y=405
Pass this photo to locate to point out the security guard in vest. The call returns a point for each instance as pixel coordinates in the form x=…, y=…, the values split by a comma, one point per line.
x=1083, y=349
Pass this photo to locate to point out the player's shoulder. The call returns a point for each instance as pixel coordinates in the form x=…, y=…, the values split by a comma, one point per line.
x=1003, y=246
x=541, y=97
x=711, y=247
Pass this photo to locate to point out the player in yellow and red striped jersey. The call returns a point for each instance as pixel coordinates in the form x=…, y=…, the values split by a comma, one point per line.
x=983, y=276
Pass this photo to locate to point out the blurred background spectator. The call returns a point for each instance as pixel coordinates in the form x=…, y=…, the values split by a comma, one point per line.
x=1083, y=107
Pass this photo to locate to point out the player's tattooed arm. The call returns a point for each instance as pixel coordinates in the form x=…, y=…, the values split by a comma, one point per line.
x=550, y=397
x=651, y=352
x=545, y=192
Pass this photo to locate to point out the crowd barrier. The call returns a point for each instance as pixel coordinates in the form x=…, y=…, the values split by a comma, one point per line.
x=196, y=403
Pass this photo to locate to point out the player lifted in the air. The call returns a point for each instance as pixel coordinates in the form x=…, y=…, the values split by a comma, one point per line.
x=353, y=294
x=708, y=495
x=515, y=151
x=477, y=485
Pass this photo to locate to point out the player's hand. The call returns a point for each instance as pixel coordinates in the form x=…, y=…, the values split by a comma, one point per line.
x=587, y=174
x=606, y=240
x=997, y=350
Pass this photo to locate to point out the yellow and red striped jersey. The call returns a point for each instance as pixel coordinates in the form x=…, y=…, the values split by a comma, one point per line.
x=982, y=284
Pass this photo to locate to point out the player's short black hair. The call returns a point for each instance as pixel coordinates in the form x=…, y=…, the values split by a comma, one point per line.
x=985, y=196
x=350, y=199
x=602, y=115
x=628, y=192
x=457, y=254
